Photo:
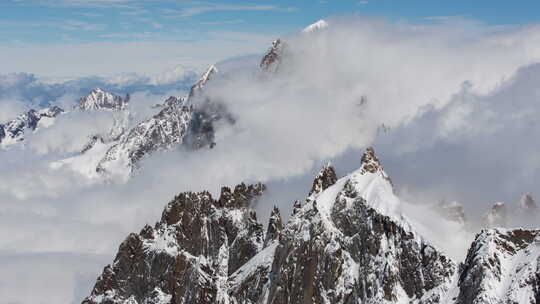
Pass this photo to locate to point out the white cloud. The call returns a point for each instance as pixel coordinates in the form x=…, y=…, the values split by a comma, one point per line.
x=70, y=132
x=78, y=3
x=11, y=108
x=143, y=57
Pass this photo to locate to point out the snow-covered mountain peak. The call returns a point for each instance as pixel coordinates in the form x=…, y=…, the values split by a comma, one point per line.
x=321, y=24
x=206, y=76
x=100, y=99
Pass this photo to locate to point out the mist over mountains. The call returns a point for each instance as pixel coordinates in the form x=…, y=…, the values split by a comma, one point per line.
x=450, y=108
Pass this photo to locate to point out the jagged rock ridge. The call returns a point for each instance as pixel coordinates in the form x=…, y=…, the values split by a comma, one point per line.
x=189, y=254
x=346, y=243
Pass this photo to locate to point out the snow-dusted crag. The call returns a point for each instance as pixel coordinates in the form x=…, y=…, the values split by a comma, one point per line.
x=347, y=243
x=273, y=58
x=188, y=256
x=502, y=266
x=161, y=131
x=100, y=99
x=13, y=131
x=179, y=121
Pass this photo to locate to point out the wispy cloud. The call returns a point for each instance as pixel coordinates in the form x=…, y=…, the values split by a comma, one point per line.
x=197, y=10
x=68, y=25
x=234, y=21
x=77, y=3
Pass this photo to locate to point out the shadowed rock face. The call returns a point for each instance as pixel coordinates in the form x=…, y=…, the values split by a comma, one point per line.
x=188, y=255
x=323, y=180
x=344, y=244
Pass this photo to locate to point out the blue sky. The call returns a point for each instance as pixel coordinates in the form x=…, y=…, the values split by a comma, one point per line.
x=230, y=28
x=57, y=21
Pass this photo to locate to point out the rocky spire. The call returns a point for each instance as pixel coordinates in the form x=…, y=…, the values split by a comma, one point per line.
x=324, y=179
x=242, y=196
x=201, y=83
x=275, y=225
x=496, y=216
x=370, y=162
x=271, y=60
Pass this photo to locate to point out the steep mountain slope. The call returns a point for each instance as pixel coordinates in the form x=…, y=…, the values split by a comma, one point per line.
x=347, y=243
x=169, y=127
x=161, y=131
x=502, y=266
x=13, y=131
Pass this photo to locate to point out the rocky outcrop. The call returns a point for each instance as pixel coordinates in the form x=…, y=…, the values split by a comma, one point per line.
x=324, y=179
x=271, y=60
x=275, y=226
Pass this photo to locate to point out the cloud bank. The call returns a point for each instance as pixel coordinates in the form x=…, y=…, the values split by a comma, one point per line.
x=457, y=100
